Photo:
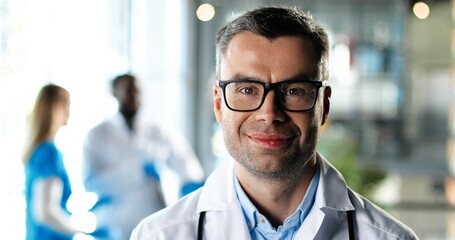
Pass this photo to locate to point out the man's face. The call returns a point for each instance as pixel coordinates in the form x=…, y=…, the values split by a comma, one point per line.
x=270, y=142
x=128, y=96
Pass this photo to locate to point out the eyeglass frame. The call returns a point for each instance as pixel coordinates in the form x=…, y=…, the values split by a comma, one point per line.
x=271, y=86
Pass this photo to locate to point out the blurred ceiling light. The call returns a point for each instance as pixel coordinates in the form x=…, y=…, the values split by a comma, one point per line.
x=205, y=12
x=421, y=10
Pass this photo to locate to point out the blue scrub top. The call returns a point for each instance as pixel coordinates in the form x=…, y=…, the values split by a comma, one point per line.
x=45, y=161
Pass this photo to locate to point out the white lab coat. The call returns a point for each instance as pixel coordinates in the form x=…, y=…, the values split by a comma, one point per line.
x=225, y=220
x=113, y=166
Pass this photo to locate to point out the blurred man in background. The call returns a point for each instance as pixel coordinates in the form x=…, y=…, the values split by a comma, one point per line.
x=125, y=158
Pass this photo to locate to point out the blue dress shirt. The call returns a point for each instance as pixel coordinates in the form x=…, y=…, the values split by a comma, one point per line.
x=260, y=227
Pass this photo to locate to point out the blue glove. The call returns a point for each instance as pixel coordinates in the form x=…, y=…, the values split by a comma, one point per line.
x=151, y=171
x=189, y=187
x=105, y=233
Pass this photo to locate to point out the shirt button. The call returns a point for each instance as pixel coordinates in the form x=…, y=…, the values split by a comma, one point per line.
x=250, y=225
x=261, y=219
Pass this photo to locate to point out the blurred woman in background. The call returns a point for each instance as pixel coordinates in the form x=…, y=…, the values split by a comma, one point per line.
x=47, y=186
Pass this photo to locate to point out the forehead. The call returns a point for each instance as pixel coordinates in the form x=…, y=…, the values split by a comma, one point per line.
x=126, y=83
x=270, y=60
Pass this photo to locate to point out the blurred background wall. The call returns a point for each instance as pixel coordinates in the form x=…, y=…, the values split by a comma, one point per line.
x=392, y=122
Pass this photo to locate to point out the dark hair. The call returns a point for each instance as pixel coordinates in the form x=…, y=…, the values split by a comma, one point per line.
x=117, y=79
x=274, y=22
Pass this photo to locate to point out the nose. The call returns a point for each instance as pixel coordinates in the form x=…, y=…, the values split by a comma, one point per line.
x=270, y=111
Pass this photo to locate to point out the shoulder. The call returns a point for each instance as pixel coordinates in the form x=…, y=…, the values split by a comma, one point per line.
x=168, y=223
x=101, y=130
x=104, y=125
x=46, y=150
x=151, y=128
x=47, y=146
x=46, y=160
x=372, y=218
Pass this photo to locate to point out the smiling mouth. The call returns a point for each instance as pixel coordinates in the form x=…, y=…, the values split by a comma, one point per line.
x=270, y=140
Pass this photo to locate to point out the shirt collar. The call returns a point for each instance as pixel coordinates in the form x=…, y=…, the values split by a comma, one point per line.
x=249, y=210
x=252, y=214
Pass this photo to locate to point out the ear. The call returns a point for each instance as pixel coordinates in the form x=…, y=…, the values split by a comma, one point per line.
x=217, y=95
x=327, y=95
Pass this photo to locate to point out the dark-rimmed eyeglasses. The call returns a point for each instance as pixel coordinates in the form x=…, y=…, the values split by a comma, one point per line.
x=292, y=95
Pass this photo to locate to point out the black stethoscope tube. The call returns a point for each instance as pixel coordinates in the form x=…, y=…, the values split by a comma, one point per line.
x=350, y=217
x=200, y=226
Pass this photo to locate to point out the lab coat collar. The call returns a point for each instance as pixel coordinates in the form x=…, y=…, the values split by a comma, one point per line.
x=218, y=191
x=331, y=203
x=332, y=192
x=119, y=121
x=218, y=194
x=331, y=183
x=219, y=200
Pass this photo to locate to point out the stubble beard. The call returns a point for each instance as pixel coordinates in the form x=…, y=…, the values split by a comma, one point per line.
x=292, y=163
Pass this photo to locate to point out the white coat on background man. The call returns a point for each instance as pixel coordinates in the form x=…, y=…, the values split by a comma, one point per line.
x=327, y=218
x=124, y=161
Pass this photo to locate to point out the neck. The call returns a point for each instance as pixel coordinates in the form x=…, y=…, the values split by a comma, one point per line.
x=53, y=131
x=129, y=120
x=276, y=199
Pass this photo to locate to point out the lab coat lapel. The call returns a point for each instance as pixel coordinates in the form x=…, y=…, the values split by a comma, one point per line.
x=324, y=224
x=224, y=217
x=311, y=224
x=227, y=225
x=328, y=214
x=334, y=225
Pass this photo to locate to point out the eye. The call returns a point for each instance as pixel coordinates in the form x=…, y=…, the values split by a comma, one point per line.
x=248, y=89
x=297, y=89
x=297, y=92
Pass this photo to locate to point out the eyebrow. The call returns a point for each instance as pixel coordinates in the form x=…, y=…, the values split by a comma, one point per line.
x=242, y=77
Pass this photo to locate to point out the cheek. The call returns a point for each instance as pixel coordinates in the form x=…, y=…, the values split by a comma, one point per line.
x=306, y=123
x=229, y=131
x=67, y=115
x=228, y=120
x=231, y=125
x=232, y=122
